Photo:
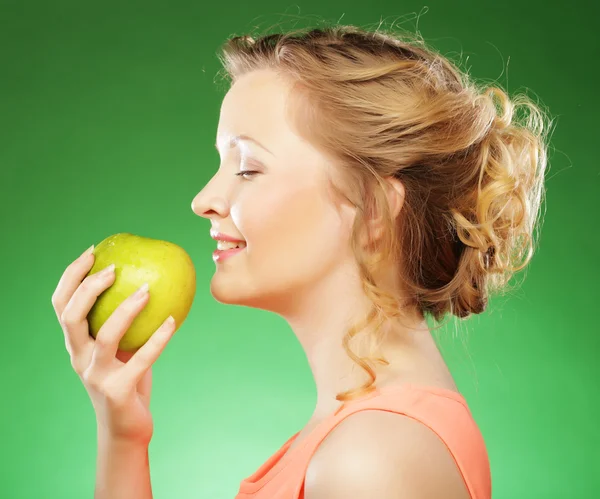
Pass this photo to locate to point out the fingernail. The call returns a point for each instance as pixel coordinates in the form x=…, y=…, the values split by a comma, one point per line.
x=107, y=270
x=141, y=291
x=88, y=251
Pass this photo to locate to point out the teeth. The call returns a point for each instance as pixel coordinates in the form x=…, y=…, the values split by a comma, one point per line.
x=225, y=245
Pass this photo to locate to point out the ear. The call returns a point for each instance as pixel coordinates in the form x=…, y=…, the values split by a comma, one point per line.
x=395, y=195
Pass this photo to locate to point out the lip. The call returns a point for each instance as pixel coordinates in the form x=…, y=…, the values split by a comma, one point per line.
x=220, y=255
x=225, y=237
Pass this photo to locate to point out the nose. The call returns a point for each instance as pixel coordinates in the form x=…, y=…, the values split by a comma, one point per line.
x=210, y=202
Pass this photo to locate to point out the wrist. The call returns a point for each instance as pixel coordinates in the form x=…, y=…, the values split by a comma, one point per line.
x=117, y=442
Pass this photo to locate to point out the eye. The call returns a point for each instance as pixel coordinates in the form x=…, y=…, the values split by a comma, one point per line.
x=247, y=172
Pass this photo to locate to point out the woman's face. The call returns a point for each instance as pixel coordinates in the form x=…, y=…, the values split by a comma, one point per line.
x=295, y=235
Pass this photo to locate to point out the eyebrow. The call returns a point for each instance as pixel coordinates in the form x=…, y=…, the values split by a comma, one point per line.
x=237, y=138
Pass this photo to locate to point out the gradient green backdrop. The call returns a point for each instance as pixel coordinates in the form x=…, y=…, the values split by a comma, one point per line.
x=108, y=115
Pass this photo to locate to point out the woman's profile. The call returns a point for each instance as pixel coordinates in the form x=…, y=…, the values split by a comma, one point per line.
x=369, y=184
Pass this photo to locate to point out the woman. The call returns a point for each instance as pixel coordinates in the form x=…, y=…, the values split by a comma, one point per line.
x=369, y=184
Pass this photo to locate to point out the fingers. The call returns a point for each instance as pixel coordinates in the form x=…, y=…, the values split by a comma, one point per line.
x=136, y=367
x=72, y=301
x=74, y=316
x=71, y=278
x=111, y=332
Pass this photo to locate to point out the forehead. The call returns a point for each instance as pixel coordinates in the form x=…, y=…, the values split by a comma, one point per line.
x=254, y=105
x=258, y=105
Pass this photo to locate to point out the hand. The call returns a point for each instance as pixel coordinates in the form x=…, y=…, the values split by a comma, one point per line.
x=118, y=383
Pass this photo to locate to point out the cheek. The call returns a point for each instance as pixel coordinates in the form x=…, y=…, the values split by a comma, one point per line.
x=292, y=231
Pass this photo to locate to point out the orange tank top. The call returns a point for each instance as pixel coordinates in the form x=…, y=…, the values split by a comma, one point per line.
x=444, y=411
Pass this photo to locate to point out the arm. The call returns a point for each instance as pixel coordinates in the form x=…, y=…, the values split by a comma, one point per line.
x=123, y=469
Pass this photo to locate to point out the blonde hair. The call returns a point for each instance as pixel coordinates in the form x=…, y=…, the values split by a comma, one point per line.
x=471, y=160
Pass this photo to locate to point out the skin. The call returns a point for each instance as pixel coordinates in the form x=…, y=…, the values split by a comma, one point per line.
x=298, y=262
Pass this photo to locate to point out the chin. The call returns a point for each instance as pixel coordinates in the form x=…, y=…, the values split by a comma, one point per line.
x=232, y=292
x=278, y=301
x=226, y=293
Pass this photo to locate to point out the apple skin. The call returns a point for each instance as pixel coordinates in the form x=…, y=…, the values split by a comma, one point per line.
x=165, y=266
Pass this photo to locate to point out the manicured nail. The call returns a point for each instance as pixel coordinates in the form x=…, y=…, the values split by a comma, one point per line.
x=142, y=290
x=87, y=251
x=107, y=270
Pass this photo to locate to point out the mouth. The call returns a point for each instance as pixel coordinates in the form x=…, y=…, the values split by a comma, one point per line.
x=225, y=245
x=220, y=254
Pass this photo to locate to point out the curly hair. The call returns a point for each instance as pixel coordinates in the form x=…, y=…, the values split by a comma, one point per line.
x=471, y=160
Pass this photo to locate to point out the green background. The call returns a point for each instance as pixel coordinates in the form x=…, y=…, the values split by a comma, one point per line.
x=108, y=116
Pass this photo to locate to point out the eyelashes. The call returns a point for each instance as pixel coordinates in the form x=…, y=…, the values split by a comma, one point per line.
x=247, y=172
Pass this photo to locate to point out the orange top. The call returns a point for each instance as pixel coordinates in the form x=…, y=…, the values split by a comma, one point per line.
x=443, y=411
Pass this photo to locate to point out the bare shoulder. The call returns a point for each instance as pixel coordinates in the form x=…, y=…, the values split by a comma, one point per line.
x=385, y=455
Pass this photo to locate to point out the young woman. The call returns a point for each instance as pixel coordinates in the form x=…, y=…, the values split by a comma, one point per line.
x=370, y=184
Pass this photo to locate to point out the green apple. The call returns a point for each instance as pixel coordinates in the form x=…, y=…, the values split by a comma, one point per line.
x=166, y=267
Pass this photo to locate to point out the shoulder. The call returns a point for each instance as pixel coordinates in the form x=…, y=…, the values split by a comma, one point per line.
x=386, y=455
